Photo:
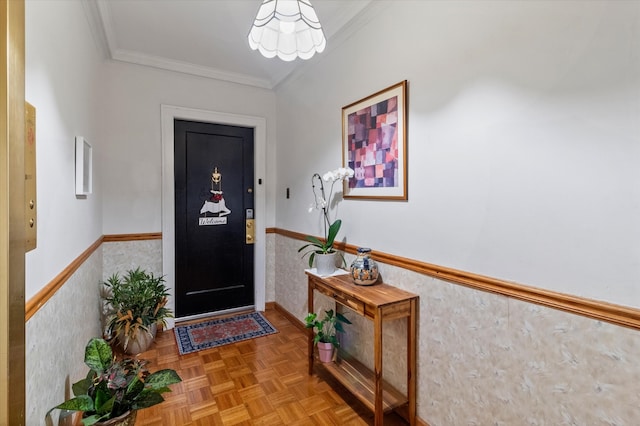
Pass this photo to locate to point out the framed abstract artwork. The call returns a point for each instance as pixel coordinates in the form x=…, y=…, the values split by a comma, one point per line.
x=374, y=145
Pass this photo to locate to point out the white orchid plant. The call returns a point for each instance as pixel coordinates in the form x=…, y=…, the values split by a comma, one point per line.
x=321, y=202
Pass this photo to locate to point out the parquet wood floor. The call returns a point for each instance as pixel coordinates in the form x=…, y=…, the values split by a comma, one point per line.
x=262, y=381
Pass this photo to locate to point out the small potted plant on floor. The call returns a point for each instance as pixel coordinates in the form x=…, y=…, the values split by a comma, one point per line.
x=114, y=389
x=326, y=330
x=137, y=304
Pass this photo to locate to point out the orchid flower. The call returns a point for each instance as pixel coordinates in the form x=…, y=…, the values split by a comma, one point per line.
x=323, y=202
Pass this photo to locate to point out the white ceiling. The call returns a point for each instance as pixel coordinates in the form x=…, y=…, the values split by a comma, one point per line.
x=208, y=37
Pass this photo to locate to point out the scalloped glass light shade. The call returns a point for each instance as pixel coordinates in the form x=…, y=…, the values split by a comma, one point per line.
x=288, y=29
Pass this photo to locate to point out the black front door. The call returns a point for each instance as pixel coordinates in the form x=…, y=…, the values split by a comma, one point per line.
x=214, y=169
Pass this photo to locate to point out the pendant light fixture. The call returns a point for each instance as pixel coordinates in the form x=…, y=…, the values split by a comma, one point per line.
x=288, y=29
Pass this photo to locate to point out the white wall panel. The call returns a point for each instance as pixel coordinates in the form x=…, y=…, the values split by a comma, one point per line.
x=62, y=79
x=131, y=125
x=523, y=140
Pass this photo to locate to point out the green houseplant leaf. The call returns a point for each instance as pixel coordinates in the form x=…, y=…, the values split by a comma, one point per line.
x=326, y=329
x=79, y=403
x=93, y=419
x=161, y=379
x=98, y=355
x=333, y=233
x=318, y=246
x=147, y=398
x=103, y=401
x=81, y=387
x=114, y=386
x=137, y=301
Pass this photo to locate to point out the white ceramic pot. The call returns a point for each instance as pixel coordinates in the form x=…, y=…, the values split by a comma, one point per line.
x=141, y=343
x=326, y=263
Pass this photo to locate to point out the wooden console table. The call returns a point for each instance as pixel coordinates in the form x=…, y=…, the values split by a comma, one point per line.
x=378, y=303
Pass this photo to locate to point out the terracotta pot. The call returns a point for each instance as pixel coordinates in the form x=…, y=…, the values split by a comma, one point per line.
x=126, y=419
x=325, y=351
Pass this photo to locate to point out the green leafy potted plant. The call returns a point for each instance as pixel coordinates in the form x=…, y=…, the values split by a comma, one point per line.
x=326, y=330
x=115, y=389
x=322, y=251
x=138, y=304
x=317, y=246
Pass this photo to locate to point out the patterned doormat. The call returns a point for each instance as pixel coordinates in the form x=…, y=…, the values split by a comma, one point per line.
x=218, y=332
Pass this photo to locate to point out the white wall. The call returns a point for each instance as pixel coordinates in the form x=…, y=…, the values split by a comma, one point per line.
x=523, y=139
x=130, y=123
x=116, y=107
x=62, y=80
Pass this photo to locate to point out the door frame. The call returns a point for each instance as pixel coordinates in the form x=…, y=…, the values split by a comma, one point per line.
x=169, y=113
x=12, y=214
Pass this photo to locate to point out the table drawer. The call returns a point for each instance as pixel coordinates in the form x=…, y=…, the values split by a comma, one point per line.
x=342, y=298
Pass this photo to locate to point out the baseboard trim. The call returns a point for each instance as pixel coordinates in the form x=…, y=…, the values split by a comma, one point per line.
x=110, y=238
x=292, y=318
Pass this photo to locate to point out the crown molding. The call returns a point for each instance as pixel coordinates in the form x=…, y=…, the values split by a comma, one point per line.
x=102, y=28
x=100, y=17
x=188, y=68
x=94, y=18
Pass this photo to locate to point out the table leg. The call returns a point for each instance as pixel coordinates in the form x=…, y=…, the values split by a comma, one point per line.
x=411, y=362
x=309, y=330
x=377, y=342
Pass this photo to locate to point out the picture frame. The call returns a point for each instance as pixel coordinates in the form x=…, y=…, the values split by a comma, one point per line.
x=84, y=167
x=374, y=145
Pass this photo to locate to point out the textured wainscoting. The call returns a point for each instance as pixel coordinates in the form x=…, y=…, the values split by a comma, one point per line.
x=490, y=359
x=483, y=358
x=120, y=256
x=290, y=279
x=270, y=277
x=56, y=336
